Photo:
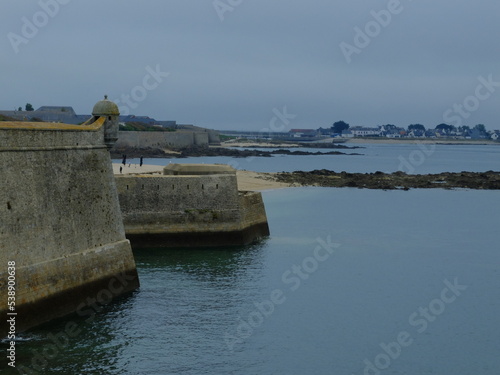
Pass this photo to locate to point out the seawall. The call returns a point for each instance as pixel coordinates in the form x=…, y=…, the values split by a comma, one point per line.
x=60, y=220
x=169, y=140
x=192, y=209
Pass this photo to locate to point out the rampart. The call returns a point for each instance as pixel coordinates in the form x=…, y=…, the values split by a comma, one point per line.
x=60, y=220
x=163, y=140
x=191, y=206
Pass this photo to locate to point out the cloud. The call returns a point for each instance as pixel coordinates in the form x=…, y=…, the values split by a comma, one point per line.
x=261, y=56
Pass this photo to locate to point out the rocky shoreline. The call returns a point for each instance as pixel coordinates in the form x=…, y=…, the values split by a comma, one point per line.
x=392, y=181
x=328, y=145
x=132, y=152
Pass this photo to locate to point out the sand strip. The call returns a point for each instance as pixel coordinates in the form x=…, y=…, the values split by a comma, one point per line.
x=247, y=180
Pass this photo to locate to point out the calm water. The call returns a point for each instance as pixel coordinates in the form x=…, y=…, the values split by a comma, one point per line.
x=345, y=274
x=410, y=158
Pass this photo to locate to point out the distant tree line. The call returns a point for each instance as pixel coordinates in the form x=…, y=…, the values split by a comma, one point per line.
x=339, y=126
x=28, y=108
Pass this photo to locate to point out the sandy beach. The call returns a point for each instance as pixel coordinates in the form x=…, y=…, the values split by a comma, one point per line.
x=247, y=180
x=256, y=181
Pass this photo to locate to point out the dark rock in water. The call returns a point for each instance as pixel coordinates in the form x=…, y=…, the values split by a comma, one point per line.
x=388, y=181
x=196, y=151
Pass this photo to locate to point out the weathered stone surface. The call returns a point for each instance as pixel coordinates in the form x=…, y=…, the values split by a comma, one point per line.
x=161, y=140
x=60, y=220
x=190, y=209
x=198, y=169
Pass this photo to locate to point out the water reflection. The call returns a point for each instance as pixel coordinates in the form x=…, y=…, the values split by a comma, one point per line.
x=203, y=263
x=184, y=294
x=90, y=346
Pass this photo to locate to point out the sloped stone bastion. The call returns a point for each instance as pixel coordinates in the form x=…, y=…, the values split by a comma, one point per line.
x=190, y=205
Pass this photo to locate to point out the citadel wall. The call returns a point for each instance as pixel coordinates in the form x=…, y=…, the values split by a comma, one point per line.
x=177, y=139
x=60, y=220
x=190, y=210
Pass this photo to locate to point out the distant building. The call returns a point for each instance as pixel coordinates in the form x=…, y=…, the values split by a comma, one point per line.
x=327, y=132
x=393, y=135
x=416, y=133
x=263, y=134
x=347, y=134
x=495, y=135
x=476, y=134
x=62, y=114
x=304, y=133
x=360, y=131
x=67, y=115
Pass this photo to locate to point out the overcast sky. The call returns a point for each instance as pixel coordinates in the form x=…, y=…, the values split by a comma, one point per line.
x=256, y=64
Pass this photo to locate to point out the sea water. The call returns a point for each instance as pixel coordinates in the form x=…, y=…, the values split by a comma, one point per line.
x=413, y=158
x=350, y=281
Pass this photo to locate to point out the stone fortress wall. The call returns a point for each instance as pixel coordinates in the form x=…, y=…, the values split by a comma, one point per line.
x=182, y=136
x=162, y=140
x=190, y=205
x=62, y=224
x=60, y=219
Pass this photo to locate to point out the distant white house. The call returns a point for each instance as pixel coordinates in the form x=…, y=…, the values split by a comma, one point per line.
x=393, y=135
x=347, y=134
x=416, y=134
x=359, y=131
x=304, y=133
x=495, y=135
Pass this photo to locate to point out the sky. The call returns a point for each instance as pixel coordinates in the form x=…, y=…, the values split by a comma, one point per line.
x=258, y=64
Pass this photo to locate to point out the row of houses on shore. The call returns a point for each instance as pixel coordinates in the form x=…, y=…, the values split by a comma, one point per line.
x=392, y=131
x=304, y=135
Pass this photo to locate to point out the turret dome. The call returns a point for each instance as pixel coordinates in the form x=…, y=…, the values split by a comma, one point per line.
x=105, y=108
